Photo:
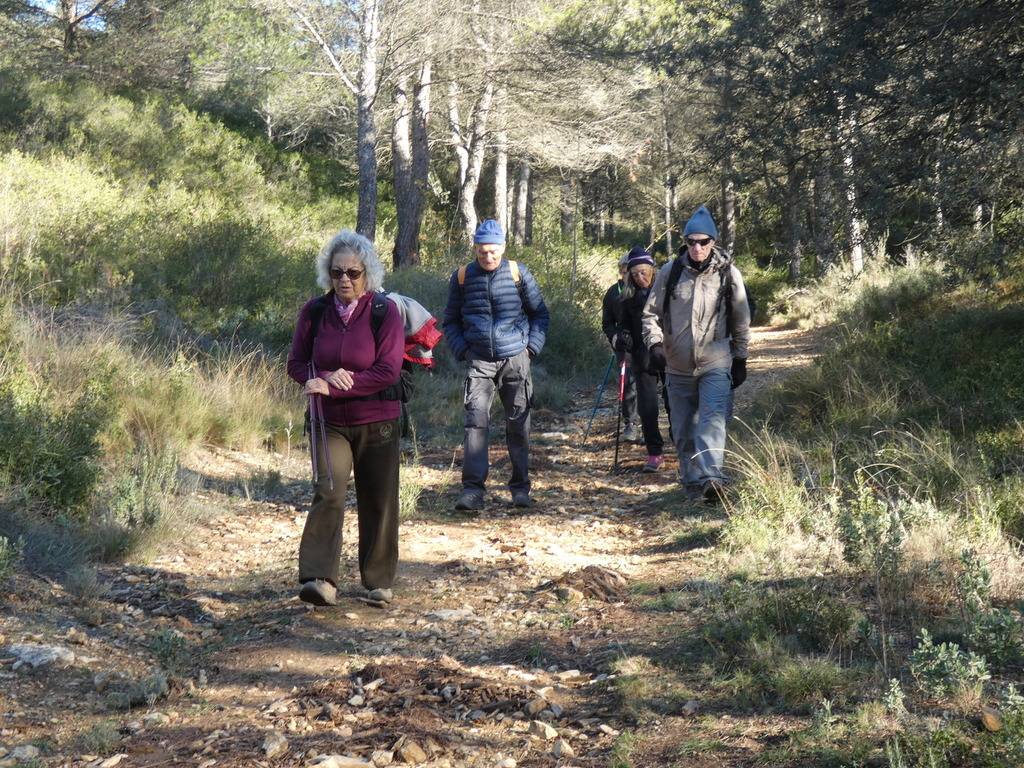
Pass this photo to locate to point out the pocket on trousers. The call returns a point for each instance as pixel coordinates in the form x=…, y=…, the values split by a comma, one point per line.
x=381, y=433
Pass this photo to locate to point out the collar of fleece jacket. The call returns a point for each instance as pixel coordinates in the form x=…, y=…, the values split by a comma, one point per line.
x=716, y=261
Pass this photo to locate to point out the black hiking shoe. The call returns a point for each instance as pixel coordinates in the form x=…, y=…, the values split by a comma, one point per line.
x=521, y=499
x=470, y=500
x=714, y=491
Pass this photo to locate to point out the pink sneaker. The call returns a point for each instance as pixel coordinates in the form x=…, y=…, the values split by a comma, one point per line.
x=654, y=463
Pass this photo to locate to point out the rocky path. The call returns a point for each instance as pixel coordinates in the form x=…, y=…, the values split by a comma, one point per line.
x=516, y=639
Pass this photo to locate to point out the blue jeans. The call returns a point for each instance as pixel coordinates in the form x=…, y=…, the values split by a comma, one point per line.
x=699, y=408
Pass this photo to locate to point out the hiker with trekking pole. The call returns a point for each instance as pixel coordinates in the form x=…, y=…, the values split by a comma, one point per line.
x=347, y=353
x=621, y=343
x=496, y=321
x=639, y=280
x=696, y=325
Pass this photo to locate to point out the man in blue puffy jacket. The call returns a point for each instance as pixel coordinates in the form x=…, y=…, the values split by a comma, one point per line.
x=496, y=321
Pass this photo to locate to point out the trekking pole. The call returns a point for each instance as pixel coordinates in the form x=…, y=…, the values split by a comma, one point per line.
x=597, y=403
x=316, y=416
x=618, y=419
x=311, y=410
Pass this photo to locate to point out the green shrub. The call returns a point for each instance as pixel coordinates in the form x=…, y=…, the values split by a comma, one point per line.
x=873, y=533
x=101, y=739
x=170, y=649
x=945, y=670
x=10, y=553
x=802, y=684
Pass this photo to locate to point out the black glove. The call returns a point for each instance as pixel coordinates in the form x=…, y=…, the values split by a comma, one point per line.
x=656, y=358
x=739, y=371
x=623, y=342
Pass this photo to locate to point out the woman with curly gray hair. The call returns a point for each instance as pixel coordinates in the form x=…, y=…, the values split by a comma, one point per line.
x=347, y=351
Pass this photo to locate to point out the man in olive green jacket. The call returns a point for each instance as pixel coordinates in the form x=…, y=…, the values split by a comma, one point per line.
x=698, y=335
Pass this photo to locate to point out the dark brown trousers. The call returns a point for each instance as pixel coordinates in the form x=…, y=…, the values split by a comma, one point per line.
x=371, y=450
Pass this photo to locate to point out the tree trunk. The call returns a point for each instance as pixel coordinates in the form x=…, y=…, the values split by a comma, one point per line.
x=670, y=180
x=728, y=230
x=459, y=144
x=501, y=179
x=401, y=150
x=792, y=221
x=420, y=154
x=530, y=188
x=825, y=219
x=978, y=217
x=469, y=149
x=521, y=204
x=366, y=129
x=854, y=224
x=669, y=211
x=567, y=207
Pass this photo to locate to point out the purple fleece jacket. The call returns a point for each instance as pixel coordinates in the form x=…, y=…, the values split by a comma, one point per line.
x=374, y=365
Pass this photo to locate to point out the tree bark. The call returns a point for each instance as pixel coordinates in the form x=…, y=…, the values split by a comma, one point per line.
x=530, y=188
x=792, y=221
x=521, y=203
x=501, y=174
x=567, y=206
x=411, y=161
x=366, y=130
x=854, y=224
x=469, y=144
x=420, y=153
x=401, y=151
x=825, y=217
x=670, y=183
x=728, y=233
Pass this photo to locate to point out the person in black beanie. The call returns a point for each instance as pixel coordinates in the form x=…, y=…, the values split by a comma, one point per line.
x=639, y=280
x=696, y=324
x=621, y=342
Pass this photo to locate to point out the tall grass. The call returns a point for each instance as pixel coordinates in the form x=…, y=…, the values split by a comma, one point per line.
x=95, y=417
x=886, y=477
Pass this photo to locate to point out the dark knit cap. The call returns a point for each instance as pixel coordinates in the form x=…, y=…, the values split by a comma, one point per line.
x=489, y=233
x=638, y=255
x=701, y=223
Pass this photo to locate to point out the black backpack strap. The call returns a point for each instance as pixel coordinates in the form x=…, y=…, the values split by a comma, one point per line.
x=674, y=273
x=316, y=317
x=378, y=311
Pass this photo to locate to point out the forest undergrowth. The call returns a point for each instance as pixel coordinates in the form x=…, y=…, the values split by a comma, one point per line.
x=870, y=570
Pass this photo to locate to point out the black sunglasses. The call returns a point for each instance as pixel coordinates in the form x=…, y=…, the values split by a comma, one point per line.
x=702, y=242
x=353, y=274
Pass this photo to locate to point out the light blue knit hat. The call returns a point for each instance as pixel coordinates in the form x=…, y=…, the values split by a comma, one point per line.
x=701, y=223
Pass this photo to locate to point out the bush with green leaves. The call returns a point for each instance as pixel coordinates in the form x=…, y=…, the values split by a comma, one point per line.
x=170, y=649
x=995, y=633
x=946, y=670
x=872, y=532
x=10, y=553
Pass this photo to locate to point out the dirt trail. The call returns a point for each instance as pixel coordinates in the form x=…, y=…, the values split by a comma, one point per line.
x=474, y=665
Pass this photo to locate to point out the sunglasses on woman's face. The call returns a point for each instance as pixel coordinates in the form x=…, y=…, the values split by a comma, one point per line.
x=691, y=241
x=353, y=274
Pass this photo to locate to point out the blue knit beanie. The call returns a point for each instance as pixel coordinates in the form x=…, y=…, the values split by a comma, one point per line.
x=638, y=255
x=489, y=233
x=701, y=223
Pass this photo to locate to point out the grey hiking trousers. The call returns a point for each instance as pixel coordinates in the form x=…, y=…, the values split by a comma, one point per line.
x=511, y=378
x=700, y=407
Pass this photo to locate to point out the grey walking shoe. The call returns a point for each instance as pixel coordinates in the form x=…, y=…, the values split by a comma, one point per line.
x=470, y=500
x=318, y=592
x=380, y=595
x=629, y=434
